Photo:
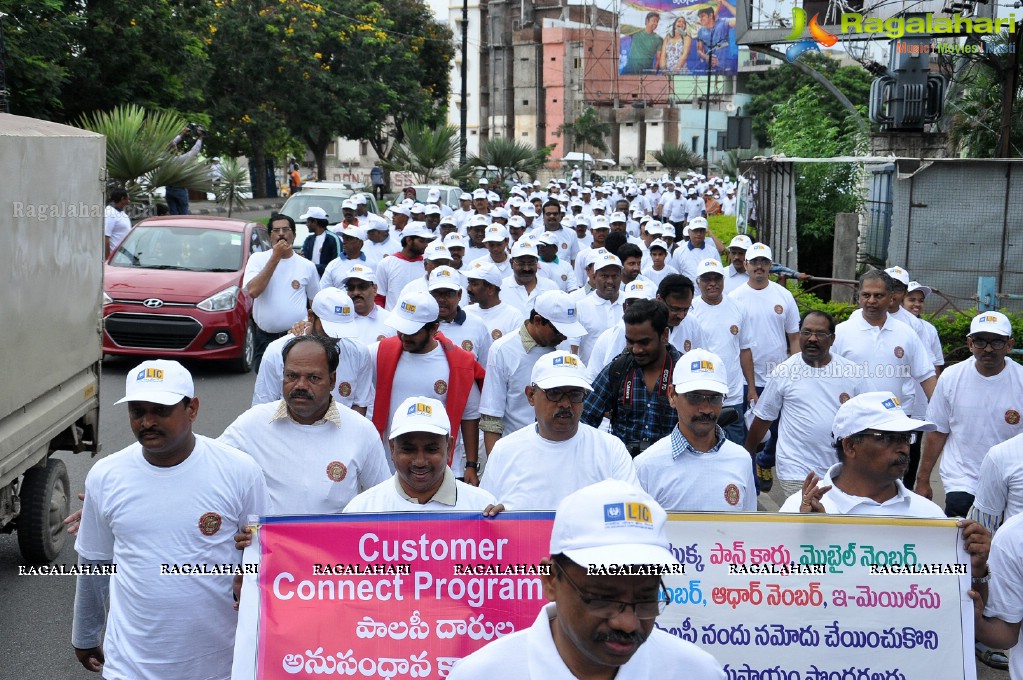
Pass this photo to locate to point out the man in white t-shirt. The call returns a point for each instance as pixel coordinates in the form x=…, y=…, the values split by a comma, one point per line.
x=280, y=284
x=116, y=223
x=332, y=316
x=802, y=396
x=484, y=290
x=495, y=239
x=676, y=291
x=420, y=360
x=504, y=407
x=172, y=498
x=396, y=271
x=735, y=273
x=602, y=308
x=688, y=255
x=889, y=349
x=463, y=329
x=695, y=468
x=535, y=467
x=523, y=286
x=419, y=441
x=370, y=318
x=999, y=494
x=998, y=596
x=581, y=636
x=316, y=454
x=552, y=266
x=975, y=405
x=726, y=331
x=568, y=243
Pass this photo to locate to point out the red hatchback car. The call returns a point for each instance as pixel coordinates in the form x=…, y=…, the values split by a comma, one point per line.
x=173, y=288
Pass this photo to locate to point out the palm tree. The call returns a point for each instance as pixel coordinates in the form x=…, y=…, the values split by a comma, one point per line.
x=139, y=155
x=675, y=158
x=425, y=151
x=234, y=181
x=511, y=158
x=975, y=100
x=734, y=157
x=588, y=130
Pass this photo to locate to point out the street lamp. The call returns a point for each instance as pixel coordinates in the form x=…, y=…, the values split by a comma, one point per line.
x=463, y=110
x=706, y=119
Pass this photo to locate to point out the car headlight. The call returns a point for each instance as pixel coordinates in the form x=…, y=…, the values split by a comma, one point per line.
x=107, y=299
x=221, y=302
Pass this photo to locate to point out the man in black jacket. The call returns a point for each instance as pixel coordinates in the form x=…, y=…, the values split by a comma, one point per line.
x=321, y=245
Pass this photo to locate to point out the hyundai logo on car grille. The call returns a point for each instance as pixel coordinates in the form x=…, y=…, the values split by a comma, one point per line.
x=153, y=303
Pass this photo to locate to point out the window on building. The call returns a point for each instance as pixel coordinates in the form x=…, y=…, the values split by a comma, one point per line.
x=577, y=63
x=363, y=148
x=525, y=102
x=696, y=142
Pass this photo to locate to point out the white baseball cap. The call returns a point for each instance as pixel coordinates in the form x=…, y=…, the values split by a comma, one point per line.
x=495, y=233
x=741, y=241
x=336, y=313
x=360, y=199
x=875, y=411
x=159, y=381
x=436, y=251
x=433, y=195
x=697, y=223
x=464, y=196
x=611, y=522
x=547, y=239
x=913, y=285
x=479, y=193
x=700, y=370
x=528, y=210
x=524, y=248
x=445, y=278
x=617, y=217
x=899, y=274
x=659, y=243
x=400, y=209
x=454, y=240
x=499, y=213
x=559, y=369
x=667, y=230
x=758, y=250
x=315, y=213
x=639, y=290
x=360, y=272
x=418, y=229
x=559, y=308
x=599, y=222
x=353, y=231
x=349, y=204
x=605, y=259
x=419, y=414
x=485, y=271
x=517, y=221
x=412, y=312
x=431, y=209
x=991, y=322
x=710, y=266
x=479, y=221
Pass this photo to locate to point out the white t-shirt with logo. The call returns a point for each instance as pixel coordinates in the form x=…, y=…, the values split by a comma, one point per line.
x=726, y=331
x=373, y=327
x=976, y=412
x=568, y=243
x=527, y=472
x=310, y=469
x=1000, y=488
x=685, y=259
x=500, y=320
x=516, y=295
x=140, y=516
x=734, y=279
x=659, y=275
x=719, y=481
x=806, y=399
x=354, y=385
x=596, y=315
x=772, y=312
x=1005, y=591
x=384, y=497
x=688, y=335
x=284, y=301
x=393, y=274
x=471, y=335
x=508, y=373
x=560, y=272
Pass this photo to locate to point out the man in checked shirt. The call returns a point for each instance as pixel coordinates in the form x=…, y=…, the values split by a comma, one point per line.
x=632, y=390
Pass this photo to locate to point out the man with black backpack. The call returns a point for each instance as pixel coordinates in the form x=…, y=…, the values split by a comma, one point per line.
x=632, y=390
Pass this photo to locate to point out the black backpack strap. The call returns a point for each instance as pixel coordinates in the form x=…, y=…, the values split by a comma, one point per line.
x=616, y=379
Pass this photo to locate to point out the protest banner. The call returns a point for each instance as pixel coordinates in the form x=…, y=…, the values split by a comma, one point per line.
x=772, y=597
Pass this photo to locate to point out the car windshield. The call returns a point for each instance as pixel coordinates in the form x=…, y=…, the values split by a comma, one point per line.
x=184, y=248
x=299, y=204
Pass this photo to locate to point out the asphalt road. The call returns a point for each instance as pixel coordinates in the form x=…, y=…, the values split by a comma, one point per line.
x=35, y=611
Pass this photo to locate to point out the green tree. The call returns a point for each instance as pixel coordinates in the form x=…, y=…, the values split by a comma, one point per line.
x=587, y=131
x=803, y=128
x=675, y=158
x=424, y=151
x=35, y=37
x=139, y=155
x=775, y=86
x=511, y=158
x=147, y=52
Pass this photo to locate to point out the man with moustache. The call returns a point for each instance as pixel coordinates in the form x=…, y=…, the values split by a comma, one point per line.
x=735, y=273
x=524, y=286
x=281, y=286
x=316, y=454
x=695, y=468
x=687, y=256
x=395, y=272
x=484, y=288
x=803, y=394
x=597, y=626
x=602, y=308
x=461, y=328
x=370, y=318
x=172, y=498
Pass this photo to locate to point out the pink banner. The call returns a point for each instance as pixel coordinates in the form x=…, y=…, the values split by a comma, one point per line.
x=397, y=595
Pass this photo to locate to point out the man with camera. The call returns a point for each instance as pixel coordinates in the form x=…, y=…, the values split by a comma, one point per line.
x=632, y=390
x=177, y=197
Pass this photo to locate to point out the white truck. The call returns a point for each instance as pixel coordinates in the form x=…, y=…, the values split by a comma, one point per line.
x=51, y=219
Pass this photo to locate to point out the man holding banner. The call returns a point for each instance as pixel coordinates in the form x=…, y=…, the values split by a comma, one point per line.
x=600, y=623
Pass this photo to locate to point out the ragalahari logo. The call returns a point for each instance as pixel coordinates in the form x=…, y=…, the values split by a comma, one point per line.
x=818, y=36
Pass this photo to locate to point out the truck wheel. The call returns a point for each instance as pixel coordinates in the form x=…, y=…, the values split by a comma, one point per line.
x=45, y=502
x=244, y=363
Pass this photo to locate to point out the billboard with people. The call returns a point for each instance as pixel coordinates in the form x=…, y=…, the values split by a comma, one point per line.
x=667, y=37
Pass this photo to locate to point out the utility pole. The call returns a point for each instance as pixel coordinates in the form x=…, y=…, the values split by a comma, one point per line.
x=5, y=101
x=463, y=109
x=706, y=119
x=1010, y=83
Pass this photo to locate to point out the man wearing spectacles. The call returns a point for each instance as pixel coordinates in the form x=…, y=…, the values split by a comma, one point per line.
x=976, y=405
x=695, y=468
x=598, y=626
x=802, y=396
x=537, y=466
x=568, y=243
x=281, y=285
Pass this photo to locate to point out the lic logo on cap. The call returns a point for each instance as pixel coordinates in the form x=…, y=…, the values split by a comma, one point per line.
x=989, y=319
x=702, y=366
x=406, y=307
x=149, y=374
x=566, y=361
x=571, y=311
x=419, y=409
x=891, y=403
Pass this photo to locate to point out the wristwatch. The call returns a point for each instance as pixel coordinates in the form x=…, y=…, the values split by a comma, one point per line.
x=979, y=580
x=472, y=465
